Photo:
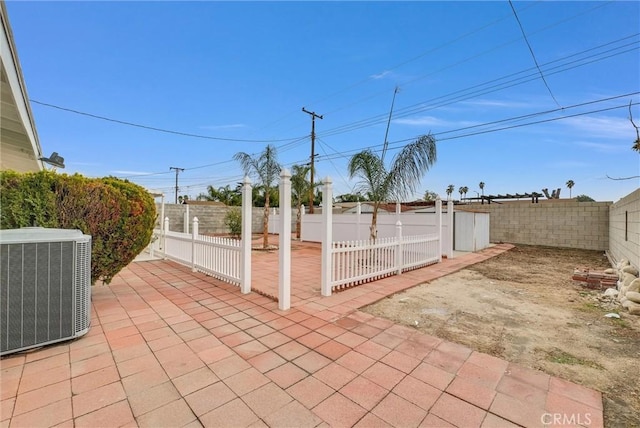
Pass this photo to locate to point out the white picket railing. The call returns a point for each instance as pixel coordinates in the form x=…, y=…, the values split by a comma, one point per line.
x=354, y=262
x=358, y=262
x=218, y=257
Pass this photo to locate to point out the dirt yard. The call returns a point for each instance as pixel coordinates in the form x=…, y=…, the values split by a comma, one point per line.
x=523, y=306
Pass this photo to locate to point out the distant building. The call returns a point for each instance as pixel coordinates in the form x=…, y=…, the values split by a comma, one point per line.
x=19, y=145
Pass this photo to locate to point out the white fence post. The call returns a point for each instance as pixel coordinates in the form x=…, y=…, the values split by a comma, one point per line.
x=358, y=218
x=194, y=235
x=439, y=226
x=302, y=213
x=245, y=254
x=450, y=229
x=284, y=253
x=185, y=220
x=164, y=237
x=327, y=236
x=399, y=249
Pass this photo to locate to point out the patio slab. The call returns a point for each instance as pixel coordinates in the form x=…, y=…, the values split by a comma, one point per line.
x=169, y=347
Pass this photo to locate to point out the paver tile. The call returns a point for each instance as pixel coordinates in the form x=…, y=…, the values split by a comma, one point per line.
x=97, y=398
x=293, y=414
x=286, y=375
x=417, y=392
x=371, y=421
x=517, y=411
x=458, y=412
x=267, y=399
x=229, y=366
x=355, y=361
x=246, y=381
x=173, y=414
x=339, y=411
x=572, y=411
x=232, y=414
x=310, y=391
x=38, y=380
x=400, y=361
x=335, y=375
x=50, y=415
x=197, y=379
x=576, y=392
x=94, y=379
x=472, y=392
x=432, y=421
x=522, y=391
x=42, y=397
x=384, y=375
x=266, y=361
x=364, y=392
x=311, y=361
x=145, y=379
x=398, y=412
x=291, y=350
x=116, y=414
x=209, y=398
x=274, y=339
x=493, y=421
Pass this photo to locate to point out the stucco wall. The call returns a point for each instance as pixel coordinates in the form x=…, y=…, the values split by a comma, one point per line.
x=555, y=223
x=624, y=229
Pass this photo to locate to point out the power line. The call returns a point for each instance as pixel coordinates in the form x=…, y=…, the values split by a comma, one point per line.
x=152, y=128
x=533, y=55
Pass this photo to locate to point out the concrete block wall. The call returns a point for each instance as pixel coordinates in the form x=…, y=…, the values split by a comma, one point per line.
x=624, y=229
x=210, y=217
x=554, y=223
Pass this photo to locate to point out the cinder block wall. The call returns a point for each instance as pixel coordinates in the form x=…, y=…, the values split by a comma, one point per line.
x=555, y=223
x=210, y=218
x=624, y=229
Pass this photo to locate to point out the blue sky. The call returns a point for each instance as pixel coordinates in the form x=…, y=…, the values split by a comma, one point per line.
x=239, y=73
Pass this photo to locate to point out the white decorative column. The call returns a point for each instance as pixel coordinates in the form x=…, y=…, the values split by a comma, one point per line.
x=284, y=251
x=245, y=253
x=439, y=226
x=327, y=236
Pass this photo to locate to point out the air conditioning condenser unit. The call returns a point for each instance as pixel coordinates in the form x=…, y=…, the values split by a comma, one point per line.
x=45, y=287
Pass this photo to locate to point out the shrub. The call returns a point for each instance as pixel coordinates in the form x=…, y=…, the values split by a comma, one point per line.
x=233, y=220
x=117, y=214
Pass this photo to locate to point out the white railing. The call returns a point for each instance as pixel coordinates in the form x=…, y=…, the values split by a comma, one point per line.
x=226, y=259
x=358, y=262
x=218, y=257
x=354, y=262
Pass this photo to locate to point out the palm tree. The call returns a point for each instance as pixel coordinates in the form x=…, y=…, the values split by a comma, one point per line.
x=465, y=189
x=461, y=191
x=481, y=185
x=402, y=178
x=570, y=185
x=265, y=169
x=450, y=189
x=299, y=189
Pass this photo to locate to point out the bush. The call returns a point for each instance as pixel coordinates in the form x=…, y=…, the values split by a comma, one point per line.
x=117, y=214
x=233, y=220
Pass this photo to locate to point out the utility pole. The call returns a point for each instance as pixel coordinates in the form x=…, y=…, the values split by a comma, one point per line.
x=178, y=170
x=313, y=153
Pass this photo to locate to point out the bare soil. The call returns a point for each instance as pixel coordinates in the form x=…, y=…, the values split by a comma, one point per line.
x=523, y=306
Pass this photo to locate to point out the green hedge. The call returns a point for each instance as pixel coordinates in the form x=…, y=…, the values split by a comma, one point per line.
x=118, y=215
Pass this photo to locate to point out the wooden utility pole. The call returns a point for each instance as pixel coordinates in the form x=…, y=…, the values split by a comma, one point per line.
x=178, y=170
x=313, y=153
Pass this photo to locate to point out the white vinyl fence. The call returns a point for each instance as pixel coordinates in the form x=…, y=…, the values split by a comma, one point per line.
x=215, y=256
x=354, y=262
x=226, y=259
x=357, y=262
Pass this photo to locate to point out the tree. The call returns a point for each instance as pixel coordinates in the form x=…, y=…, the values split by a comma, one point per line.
x=465, y=189
x=265, y=169
x=570, y=185
x=430, y=196
x=300, y=187
x=350, y=197
x=584, y=198
x=402, y=177
x=481, y=185
x=450, y=189
x=226, y=195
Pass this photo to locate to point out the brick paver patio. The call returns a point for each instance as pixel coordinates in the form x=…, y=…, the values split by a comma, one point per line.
x=168, y=348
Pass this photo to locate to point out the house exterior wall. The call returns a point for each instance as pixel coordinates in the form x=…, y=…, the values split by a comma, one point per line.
x=624, y=229
x=555, y=223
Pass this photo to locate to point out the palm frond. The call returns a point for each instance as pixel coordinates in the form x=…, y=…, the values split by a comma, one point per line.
x=410, y=165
